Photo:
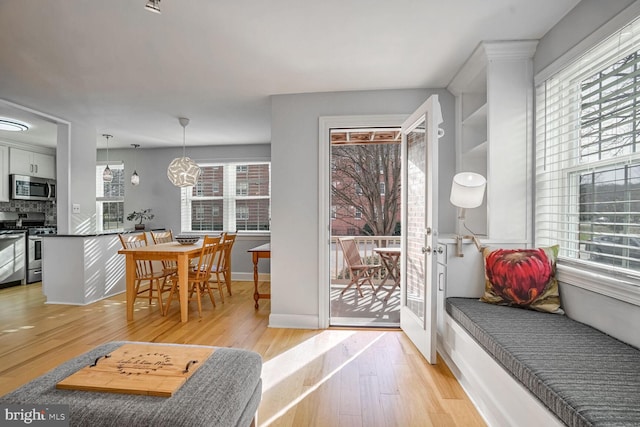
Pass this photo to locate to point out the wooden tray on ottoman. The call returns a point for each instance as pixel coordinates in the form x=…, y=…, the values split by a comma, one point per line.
x=154, y=370
x=225, y=390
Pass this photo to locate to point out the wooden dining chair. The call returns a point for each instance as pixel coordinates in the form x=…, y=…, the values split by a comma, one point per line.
x=169, y=266
x=358, y=271
x=222, y=267
x=199, y=274
x=148, y=281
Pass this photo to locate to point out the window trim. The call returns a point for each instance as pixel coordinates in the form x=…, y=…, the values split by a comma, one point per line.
x=617, y=283
x=619, y=286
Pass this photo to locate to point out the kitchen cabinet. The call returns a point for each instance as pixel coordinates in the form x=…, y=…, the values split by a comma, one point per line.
x=23, y=162
x=494, y=133
x=4, y=174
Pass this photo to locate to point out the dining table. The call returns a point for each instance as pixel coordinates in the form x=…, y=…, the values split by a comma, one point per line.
x=175, y=251
x=390, y=258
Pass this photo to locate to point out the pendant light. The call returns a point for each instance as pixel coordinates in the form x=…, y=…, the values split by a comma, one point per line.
x=182, y=171
x=153, y=6
x=107, y=175
x=135, y=178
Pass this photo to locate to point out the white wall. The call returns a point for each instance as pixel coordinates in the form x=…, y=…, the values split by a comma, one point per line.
x=578, y=24
x=79, y=160
x=295, y=199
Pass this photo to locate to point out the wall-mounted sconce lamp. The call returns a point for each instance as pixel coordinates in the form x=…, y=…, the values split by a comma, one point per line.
x=467, y=192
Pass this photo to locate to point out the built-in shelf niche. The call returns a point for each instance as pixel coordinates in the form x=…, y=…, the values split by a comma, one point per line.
x=493, y=91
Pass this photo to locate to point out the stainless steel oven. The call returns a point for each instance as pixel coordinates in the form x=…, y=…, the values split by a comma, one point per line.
x=34, y=252
x=34, y=258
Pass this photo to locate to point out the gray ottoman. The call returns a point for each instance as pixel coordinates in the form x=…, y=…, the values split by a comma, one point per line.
x=224, y=391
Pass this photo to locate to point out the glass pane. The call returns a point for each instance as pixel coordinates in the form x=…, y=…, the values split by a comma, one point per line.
x=112, y=215
x=252, y=214
x=205, y=215
x=416, y=210
x=610, y=214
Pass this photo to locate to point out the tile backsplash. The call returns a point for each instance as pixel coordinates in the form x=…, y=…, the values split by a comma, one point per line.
x=49, y=208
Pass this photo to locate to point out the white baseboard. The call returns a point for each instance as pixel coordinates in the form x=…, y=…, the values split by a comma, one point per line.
x=248, y=277
x=293, y=321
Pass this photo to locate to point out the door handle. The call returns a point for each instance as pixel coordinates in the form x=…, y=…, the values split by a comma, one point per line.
x=426, y=250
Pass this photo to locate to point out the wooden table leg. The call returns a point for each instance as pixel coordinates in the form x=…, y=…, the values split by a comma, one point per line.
x=183, y=284
x=130, y=271
x=256, y=294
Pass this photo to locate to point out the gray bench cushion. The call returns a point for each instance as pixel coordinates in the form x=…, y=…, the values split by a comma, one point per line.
x=224, y=391
x=582, y=375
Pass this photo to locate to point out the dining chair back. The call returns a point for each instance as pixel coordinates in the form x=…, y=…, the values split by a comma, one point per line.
x=200, y=273
x=359, y=272
x=165, y=237
x=149, y=282
x=162, y=236
x=222, y=268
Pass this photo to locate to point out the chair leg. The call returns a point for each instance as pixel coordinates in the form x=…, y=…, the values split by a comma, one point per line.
x=196, y=289
x=160, y=286
x=174, y=285
x=210, y=292
x=227, y=279
x=220, y=286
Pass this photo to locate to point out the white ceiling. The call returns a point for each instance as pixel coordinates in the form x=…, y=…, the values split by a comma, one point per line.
x=128, y=72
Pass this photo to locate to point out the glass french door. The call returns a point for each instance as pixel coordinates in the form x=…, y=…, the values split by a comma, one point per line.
x=419, y=203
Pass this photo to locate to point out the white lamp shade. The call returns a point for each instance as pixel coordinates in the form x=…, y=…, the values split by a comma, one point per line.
x=135, y=178
x=183, y=172
x=467, y=190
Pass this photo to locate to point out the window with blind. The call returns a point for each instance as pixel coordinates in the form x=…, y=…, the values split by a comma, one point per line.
x=588, y=157
x=228, y=197
x=110, y=198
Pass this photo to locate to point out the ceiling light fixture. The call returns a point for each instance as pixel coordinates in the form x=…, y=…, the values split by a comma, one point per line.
x=107, y=175
x=153, y=6
x=135, y=178
x=182, y=171
x=13, y=125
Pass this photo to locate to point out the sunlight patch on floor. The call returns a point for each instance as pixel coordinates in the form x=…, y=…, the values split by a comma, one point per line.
x=282, y=366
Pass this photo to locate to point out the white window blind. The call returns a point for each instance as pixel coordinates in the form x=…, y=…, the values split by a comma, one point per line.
x=588, y=156
x=228, y=197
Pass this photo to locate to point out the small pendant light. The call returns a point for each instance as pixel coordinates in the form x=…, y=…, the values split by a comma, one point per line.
x=135, y=178
x=182, y=171
x=107, y=175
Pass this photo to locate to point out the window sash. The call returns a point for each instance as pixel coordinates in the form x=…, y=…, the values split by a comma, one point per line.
x=588, y=156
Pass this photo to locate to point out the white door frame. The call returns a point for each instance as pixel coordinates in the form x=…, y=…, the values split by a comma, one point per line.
x=325, y=124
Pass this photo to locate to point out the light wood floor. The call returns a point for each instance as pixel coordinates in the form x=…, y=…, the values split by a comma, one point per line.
x=334, y=377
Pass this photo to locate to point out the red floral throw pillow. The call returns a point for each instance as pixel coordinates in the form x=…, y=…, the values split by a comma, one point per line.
x=522, y=278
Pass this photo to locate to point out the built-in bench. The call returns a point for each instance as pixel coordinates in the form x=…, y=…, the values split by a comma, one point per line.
x=225, y=391
x=581, y=375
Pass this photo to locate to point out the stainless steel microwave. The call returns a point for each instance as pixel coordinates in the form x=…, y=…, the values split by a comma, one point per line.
x=32, y=188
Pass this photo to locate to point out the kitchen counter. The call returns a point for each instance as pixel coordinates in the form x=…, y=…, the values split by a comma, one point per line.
x=81, y=269
x=104, y=233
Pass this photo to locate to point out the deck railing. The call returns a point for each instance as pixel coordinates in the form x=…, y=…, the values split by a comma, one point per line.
x=366, y=245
